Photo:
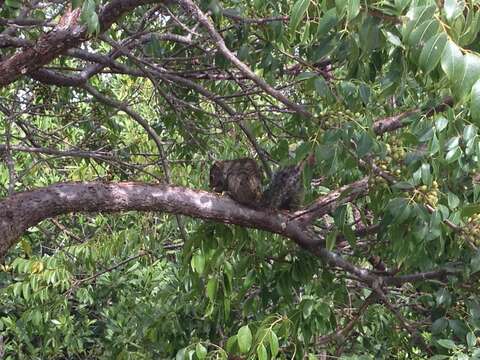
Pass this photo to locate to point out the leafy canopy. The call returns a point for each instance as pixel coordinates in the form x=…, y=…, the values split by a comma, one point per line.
x=390, y=92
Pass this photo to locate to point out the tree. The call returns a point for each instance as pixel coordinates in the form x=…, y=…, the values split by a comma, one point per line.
x=109, y=107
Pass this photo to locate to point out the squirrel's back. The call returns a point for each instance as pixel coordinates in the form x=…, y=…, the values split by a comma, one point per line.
x=240, y=178
x=285, y=191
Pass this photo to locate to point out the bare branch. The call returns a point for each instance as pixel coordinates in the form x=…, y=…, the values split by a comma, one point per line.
x=11, y=41
x=341, y=334
x=190, y=7
x=332, y=200
x=394, y=122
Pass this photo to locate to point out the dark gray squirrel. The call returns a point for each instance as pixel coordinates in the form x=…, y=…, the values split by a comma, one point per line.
x=241, y=180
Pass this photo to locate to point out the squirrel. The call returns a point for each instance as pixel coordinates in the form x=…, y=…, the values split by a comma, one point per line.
x=286, y=190
x=241, y=179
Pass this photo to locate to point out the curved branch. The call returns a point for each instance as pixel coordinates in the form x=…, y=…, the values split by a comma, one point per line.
x=67, y=34
x=23, y=210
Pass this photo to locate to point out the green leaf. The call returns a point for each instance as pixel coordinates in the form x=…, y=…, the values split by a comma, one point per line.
x=353, y=9
x=307, y=308
x=262, y=352
x=306, y=75
x=212, y=289
x=364, y=92
x=453, y=9
x=469, y=132
x=441, y=123
x=365, y=144
x=232, y=340
x=475, y=103
x=446, y=343
x=321, y=87
x=475, y=263
x=226, y=306
x=453, y=200
x=472, y=27
x=439, y=325
x=423, y=33
x=471, y=74
x=15, y=4
x=331, y=240
x=400, y=209
x=471, y=339
x=434, y=145
x=452, y=143
x=443, y=297
x=417, y=15
x=274, y=346
x=453, y=155
x=90, y=17
x=426, y=174
x=258, y=4
x=249, y=279
x=93, y=24
x=243, y=52
x=198, y=263
x=180, y=354
x=244, y=338
x=369, y=35
x=327, y=22
x=77, y=3
x=88, y=8
x=26, y=290
x=200, y=351
x=298, y=11
x=341, y=7
x=470, y=210
x=393, y=39
x=453, y=63
x=432, y=52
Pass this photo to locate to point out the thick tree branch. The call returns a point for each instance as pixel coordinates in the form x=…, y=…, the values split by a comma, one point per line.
x=67, y=34
x=23, y=210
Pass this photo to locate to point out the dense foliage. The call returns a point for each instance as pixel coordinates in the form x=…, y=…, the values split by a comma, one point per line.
x=387, y=91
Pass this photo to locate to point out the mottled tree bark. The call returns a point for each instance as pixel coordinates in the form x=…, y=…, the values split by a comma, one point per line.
x=23, y=210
